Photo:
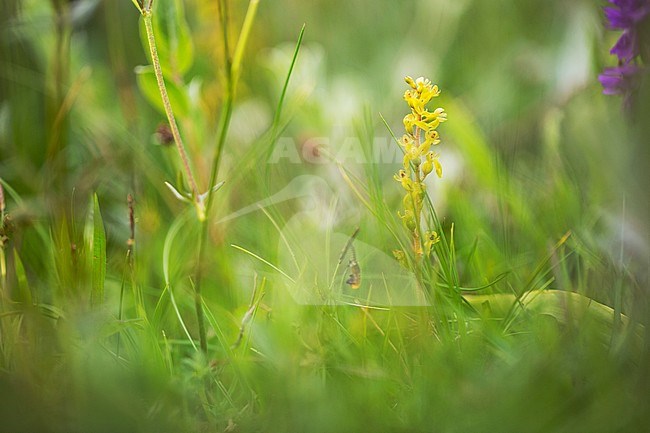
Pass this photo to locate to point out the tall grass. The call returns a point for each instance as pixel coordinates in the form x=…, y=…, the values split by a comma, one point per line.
x=123, y=308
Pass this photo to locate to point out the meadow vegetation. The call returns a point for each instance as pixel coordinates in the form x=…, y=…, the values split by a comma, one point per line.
x=215, y=216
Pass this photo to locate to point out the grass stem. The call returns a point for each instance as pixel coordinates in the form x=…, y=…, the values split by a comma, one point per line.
x=155, y=60
x=232, y=75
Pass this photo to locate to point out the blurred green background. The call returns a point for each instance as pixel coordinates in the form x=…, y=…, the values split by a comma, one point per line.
x=532, y=151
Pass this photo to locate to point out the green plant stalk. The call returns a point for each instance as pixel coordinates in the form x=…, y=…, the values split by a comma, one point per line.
x=120, y=309
x=3, y=291
x=232, y=76
x=242, y=41
x=444, y=252
x=417, y=233
x=278, y=111
x=199, y=204
x=3, y=260
x=412, y=262
x=98, y=255
x=155, y=60
x=60, y=73
x=3, y=275
x=276, y=128
x=222, y=6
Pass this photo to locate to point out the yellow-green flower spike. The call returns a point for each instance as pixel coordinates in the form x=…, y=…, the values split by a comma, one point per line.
x=430, y=239
x=420, y=126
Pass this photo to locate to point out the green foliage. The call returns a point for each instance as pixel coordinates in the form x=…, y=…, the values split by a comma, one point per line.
x=173, y=38
x=149, y=88
x=98, y=260
x=142, y=314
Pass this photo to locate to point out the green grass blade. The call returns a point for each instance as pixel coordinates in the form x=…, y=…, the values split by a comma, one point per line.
x=21, y=276
x=278, y=109
x=276, y=130
x=176, y=227
x=266, y=262
x=99, y=256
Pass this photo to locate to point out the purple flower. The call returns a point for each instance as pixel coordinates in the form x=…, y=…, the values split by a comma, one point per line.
x=629, y=16
x=619, y=80
x=626, y=48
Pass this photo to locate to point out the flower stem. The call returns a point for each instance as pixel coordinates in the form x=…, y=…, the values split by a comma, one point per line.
x=232, y=75
x=155, y=60
x=200, y=209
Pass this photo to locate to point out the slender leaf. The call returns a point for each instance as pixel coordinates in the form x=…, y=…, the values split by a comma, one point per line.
x=146, y=79
x=99, y=256
x=21, y=276
x=173, y=38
